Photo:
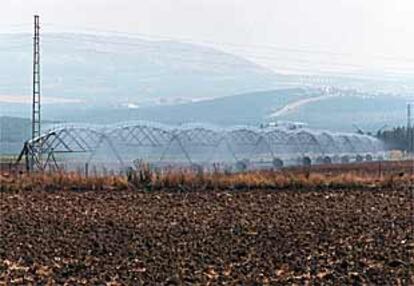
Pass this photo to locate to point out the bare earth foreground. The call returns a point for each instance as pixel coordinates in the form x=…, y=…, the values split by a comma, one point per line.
x=125, y=237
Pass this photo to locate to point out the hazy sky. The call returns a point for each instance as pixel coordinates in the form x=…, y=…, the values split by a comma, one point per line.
x=374, y=34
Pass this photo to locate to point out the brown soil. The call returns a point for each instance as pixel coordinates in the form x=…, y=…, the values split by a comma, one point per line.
x=336, y=237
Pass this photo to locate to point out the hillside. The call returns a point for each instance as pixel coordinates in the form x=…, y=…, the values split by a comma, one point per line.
x=343, y=112
x=100, y=70
x=13, y=132
x=338, y=111
x=249, y=108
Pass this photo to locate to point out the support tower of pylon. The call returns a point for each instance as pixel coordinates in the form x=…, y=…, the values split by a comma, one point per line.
x=36, y=119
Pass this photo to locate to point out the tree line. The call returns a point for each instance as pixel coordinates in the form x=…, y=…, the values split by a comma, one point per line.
x=398, y=138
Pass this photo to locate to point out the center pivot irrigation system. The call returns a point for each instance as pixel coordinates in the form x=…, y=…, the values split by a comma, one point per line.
x=240, y=148
x=119, y=147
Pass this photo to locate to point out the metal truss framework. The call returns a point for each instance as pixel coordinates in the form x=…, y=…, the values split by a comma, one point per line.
x=191, y=144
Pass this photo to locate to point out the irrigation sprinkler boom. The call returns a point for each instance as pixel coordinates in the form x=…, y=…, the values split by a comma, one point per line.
x=119, y=146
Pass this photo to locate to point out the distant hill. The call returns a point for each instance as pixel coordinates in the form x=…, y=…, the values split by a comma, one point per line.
x=14, y=129
x=249, y=108
x=102, y=70
x=341, y=113
x=337, y=111
x=110, y=79
x=13, y=132
x=310, y=106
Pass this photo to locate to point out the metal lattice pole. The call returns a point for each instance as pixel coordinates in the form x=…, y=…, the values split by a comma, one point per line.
x=36, y=119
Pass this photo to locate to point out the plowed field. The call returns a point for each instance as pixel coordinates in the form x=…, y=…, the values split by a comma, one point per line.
x=336, y=237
